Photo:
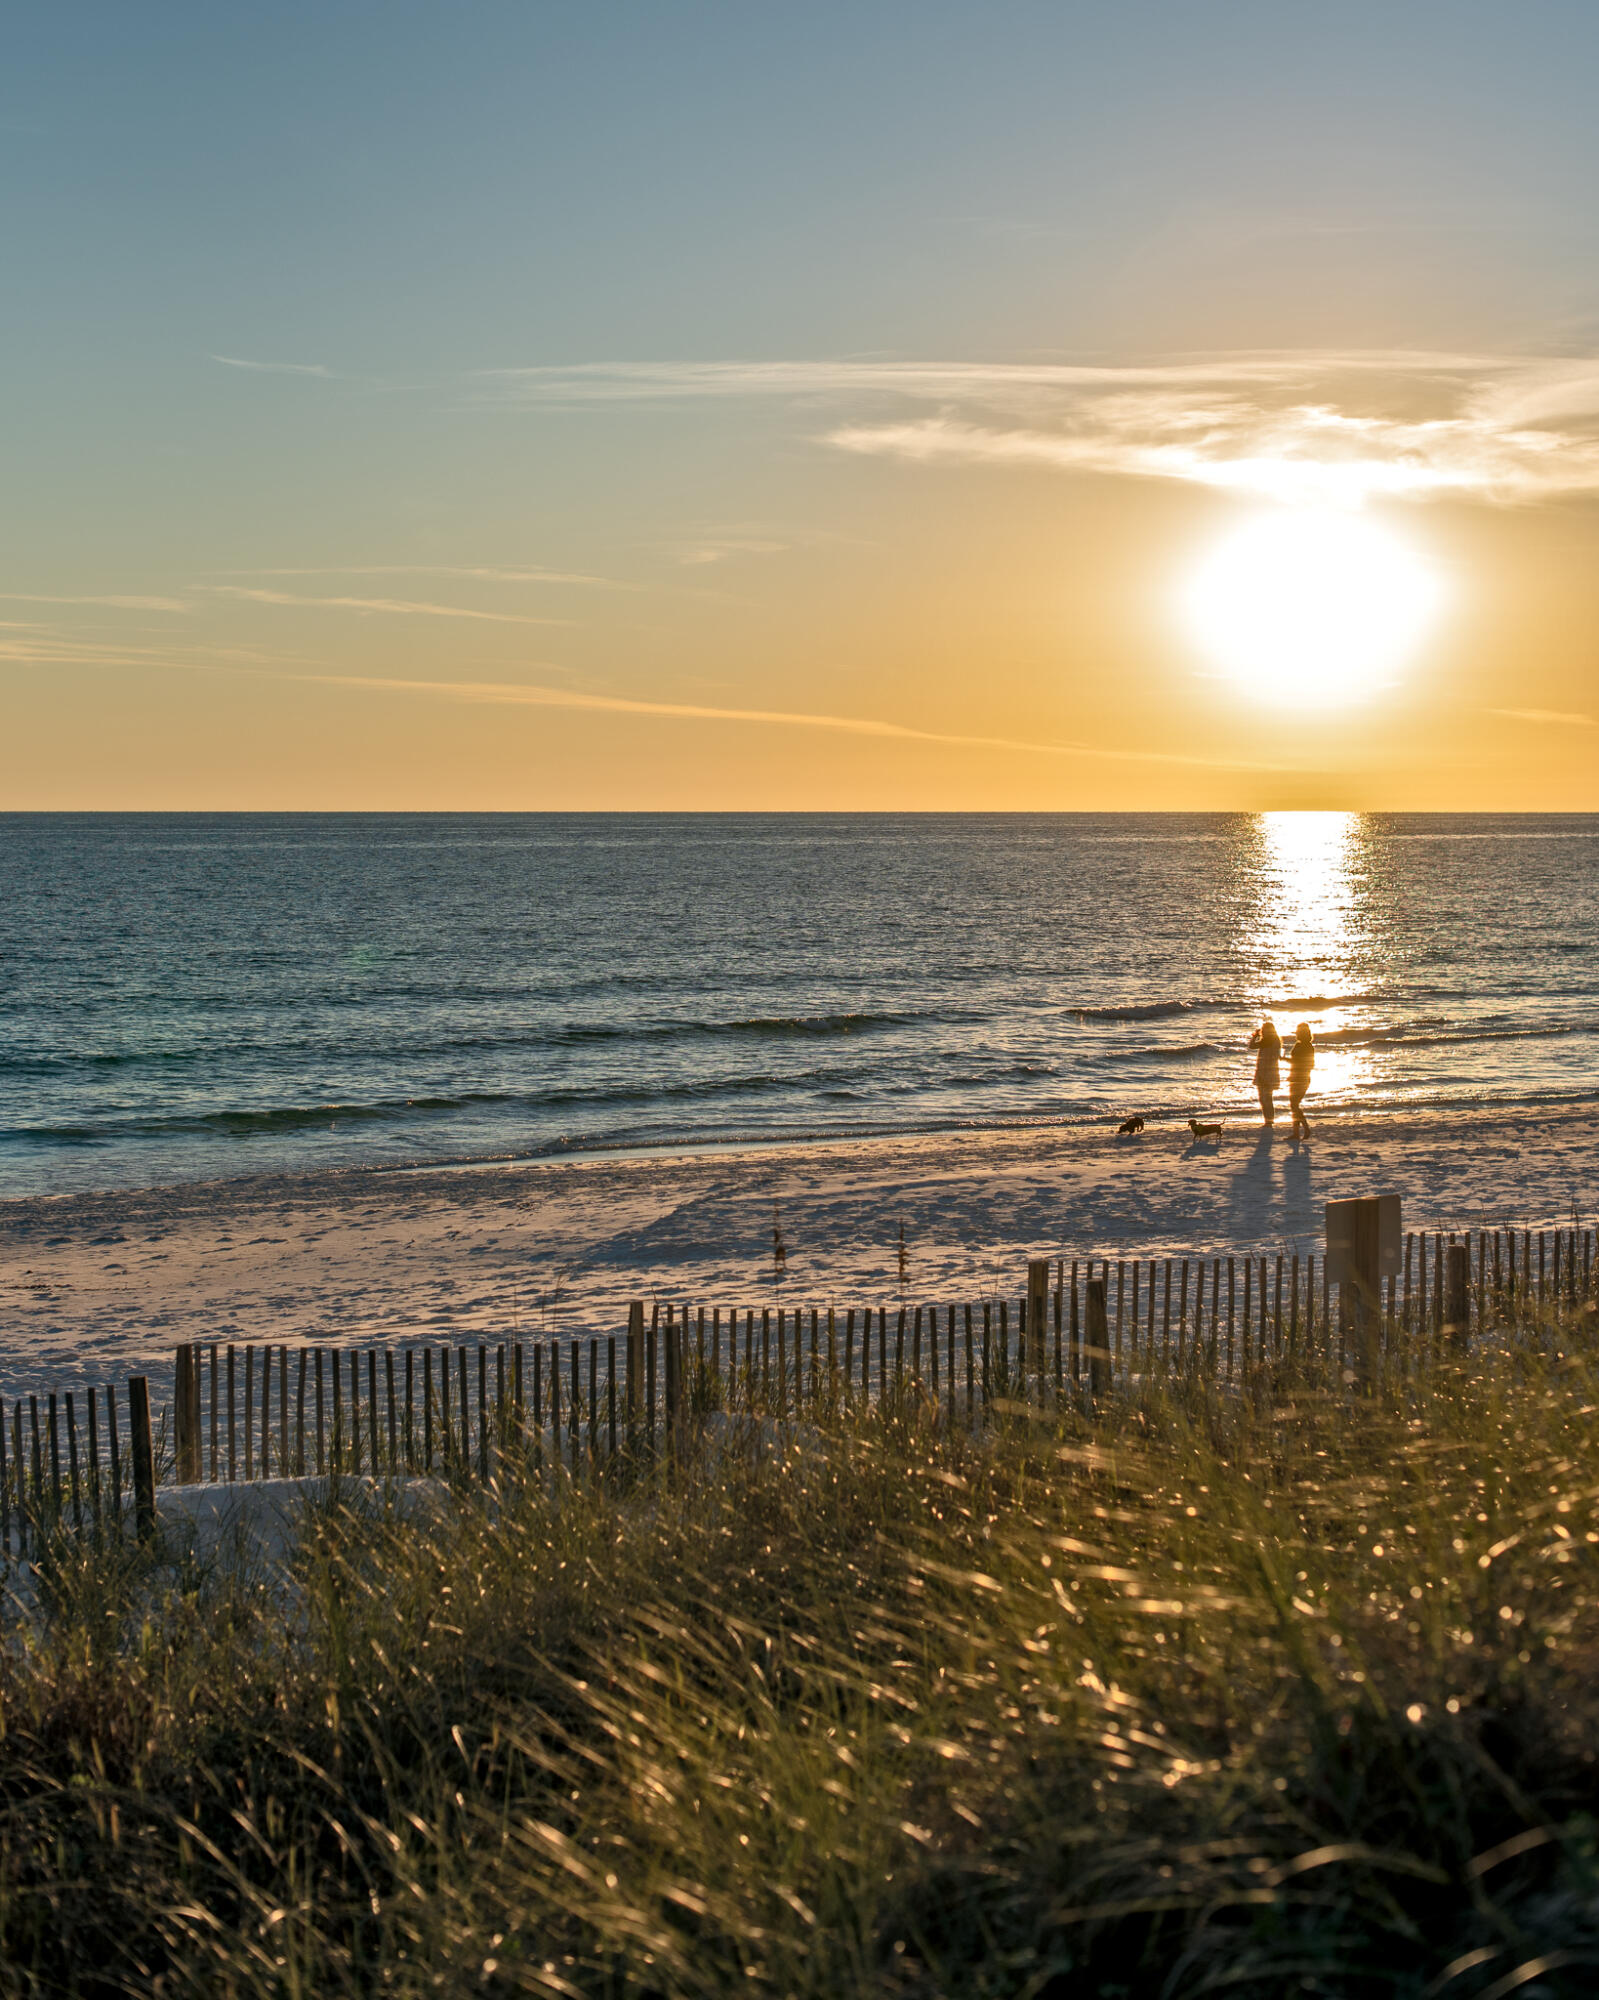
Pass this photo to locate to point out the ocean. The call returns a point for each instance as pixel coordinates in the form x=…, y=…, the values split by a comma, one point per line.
x=191, y=996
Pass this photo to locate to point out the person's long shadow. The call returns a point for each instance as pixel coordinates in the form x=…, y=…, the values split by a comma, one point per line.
x=1299, y=1206
x=1248, y=1200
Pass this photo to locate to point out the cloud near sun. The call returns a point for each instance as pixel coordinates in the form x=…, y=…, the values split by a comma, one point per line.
x=1323, y=429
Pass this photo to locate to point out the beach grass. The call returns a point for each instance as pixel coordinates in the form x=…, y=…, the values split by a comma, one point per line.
x=1290, y=1692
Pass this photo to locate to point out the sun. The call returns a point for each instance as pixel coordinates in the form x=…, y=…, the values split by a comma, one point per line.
x=1311, y=609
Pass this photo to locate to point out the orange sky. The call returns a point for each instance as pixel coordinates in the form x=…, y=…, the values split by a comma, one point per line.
x=345, y=470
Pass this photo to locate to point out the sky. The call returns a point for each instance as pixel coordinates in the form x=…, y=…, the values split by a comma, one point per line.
x=507, y=406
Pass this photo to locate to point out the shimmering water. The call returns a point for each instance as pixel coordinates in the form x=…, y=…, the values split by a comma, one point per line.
x=188, y=997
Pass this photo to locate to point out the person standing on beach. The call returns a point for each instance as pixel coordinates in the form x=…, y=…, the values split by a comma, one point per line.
x=1301, y=1061
x=1268, y=1066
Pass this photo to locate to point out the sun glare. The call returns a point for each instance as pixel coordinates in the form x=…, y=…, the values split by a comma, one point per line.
x=1309, y=608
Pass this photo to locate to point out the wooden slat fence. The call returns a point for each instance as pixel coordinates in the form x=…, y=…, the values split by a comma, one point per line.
x=1086, y=1326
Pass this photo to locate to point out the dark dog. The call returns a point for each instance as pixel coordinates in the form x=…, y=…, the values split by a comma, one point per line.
x=1128, y=1126
x=1203, y=1131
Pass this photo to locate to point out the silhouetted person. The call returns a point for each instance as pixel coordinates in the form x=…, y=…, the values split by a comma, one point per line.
x=1268, y=1066
x=1301, y=1061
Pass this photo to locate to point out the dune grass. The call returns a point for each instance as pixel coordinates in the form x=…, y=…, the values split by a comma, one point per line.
x=1288, y=1693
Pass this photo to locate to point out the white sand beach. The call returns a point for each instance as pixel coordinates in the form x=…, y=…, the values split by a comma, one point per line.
x=98, y=1284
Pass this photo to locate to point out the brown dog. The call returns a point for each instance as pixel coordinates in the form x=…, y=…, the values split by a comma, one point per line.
x=1129, y=1127
x=1203, y=1131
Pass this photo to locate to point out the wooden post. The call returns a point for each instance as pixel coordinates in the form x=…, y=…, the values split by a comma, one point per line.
x=285, y=1464
x=538, y=1403
x=574, y=1408
x=483, y=1413
x=55, y=1463
x=321, y=1433
x=94, y=1465
x=1121, y=1305
x=116, y=1452
x=249, y=1411
x=1165, y=1316
x=1037, y=1321
x=635, y=1341
x=1363, y=1236
x=299, y=1414
x=649, y=1378
x=1060, y=1329
x=72, y=1465
x=186, y=1415
x=610, y=1388
x=1196, y=1346
x=555, y=1401
x=266, y=1409
x=466, y=1411
x=5, y=1483
x=669, y=1370
x=1457, y=1307
x=143, y=1456
x=1098, y=1341
x=214, y=1414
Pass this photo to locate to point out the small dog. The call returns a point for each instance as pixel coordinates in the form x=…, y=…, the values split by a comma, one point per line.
x=1203, y=1131
x=1128, y=1127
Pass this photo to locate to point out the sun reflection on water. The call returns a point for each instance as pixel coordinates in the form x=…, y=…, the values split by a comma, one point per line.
x=1307, y=943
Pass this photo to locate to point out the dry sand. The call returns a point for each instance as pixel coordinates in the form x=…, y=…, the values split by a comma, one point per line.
x=93, y=1285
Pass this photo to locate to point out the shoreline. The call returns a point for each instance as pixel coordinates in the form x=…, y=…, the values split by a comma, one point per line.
x=1239, y=1113
x=522, y=1248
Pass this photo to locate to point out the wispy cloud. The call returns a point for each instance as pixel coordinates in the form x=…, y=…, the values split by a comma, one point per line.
x=1334, y=428
x=722, y=548
x=1557, y=715
x=399, y=607
x=117, y=603
x=274, y=367
x=521, y=694
x=37, y=646
x=475, y=572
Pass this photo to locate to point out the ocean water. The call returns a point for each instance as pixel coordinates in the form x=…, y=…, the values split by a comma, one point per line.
x=193, y=996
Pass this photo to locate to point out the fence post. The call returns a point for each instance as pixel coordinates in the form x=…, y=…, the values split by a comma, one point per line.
x=635, y=1341
x=1457, y=1295
x=1096, y=1328
x=1037, y=1321
x=143, y=1445
x=1363, y=1238
x=186, y=1416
